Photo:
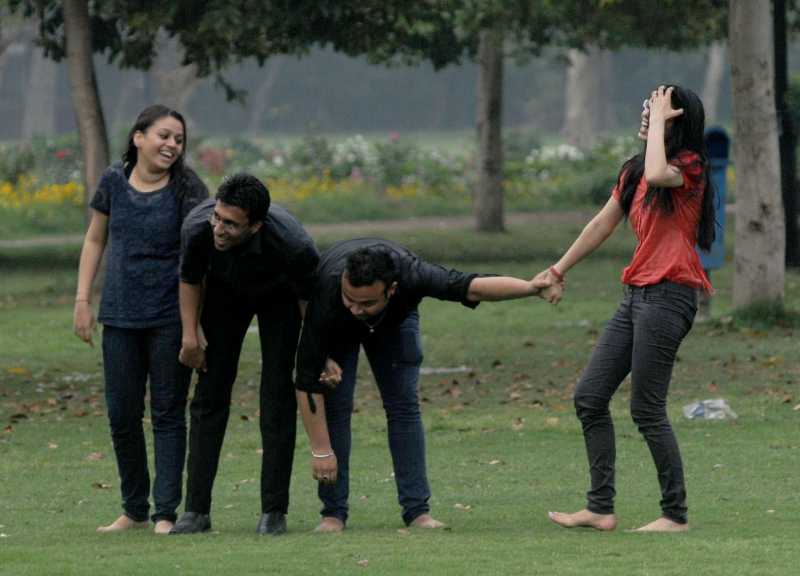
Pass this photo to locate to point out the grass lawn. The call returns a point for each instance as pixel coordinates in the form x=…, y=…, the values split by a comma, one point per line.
x=504, y=445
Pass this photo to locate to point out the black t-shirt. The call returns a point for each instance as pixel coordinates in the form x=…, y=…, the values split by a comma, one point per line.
x=280, y=254
x=141, y=283
x=327, y=319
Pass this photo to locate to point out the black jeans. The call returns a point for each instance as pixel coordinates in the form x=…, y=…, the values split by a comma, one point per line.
x=225, y=320
x=130, y=356
x=395, y=355
x=641, y=339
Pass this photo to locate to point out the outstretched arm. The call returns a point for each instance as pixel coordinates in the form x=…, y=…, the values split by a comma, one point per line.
x=497, y=288
x=592, y=236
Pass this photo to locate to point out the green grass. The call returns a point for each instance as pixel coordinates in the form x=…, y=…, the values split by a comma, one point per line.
x=503, y=443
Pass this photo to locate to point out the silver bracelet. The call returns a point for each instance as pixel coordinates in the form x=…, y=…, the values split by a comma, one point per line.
x=315, y=455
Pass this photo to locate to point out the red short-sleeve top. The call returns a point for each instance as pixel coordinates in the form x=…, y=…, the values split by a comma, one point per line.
x=666, y=249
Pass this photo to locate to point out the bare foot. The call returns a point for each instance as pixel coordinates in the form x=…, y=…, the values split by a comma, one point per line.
x=663, y=525
x=329, y=525
x=121, y=524
x=426, y=521
x=584, y=518
x=163, y=527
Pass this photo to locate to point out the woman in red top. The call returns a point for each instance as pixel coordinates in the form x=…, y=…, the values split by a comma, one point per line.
x=666, y=195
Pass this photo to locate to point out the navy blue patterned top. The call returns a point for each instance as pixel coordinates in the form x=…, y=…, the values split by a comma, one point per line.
x=141, y=281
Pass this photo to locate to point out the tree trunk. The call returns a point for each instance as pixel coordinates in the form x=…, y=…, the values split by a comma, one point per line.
x=261, y=98
x=174, y=82
x=712, y=86
x=85, y=97
x=488, y=199
x=787, y=135
x=760, y=234
x=39, y=116
x=582, y=116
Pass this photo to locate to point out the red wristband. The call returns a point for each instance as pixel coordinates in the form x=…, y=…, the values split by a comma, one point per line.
x=559, y=276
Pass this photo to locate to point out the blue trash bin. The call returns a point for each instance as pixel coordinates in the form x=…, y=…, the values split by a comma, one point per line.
x=718, y=146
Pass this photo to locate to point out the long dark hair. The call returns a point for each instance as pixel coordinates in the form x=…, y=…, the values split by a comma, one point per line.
x=179, y=173
x=685, y=133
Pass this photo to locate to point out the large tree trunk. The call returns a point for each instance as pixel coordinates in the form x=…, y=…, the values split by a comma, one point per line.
x=760, y=238
x=174, y=82
x=488, y=198
x=39, y=116
x=788, y=135
x=85, y=97
x=261, y=99
x=584, y=116
x=712, y=86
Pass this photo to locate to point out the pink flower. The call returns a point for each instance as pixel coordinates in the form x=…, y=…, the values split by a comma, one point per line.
x=394, y=136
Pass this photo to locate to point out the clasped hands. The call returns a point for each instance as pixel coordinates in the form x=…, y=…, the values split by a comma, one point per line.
x=193, y=353
x=551, y=287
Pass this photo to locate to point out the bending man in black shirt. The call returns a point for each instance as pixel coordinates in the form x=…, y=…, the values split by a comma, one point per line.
x=255, y=259
x=367, y=294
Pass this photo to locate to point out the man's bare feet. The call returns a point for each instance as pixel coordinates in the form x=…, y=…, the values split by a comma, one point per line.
x=121, y=524
x=663, y=525
x=329, y=525
x=163, y=527
x=584, y=518
x=426, y=521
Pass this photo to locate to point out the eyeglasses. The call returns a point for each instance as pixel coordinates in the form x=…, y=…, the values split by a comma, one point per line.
x=228, y=225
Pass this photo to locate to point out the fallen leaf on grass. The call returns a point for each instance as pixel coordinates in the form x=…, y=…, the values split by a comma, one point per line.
x=464, y=507
x=495, y=462
x=712, y=387
x=95, y=456
x=363, y=563
x=518, y=424
x=8, y=429
x=552, y=421
x=787, y=399
x=796, y=408
x=52, y=445
x=403, y=532
x=101, y=485
x=19, y=371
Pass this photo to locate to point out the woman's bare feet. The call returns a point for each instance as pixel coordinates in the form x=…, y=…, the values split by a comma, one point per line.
x=426, y=521
x=163, y=527
x=584, y=518
x=330, y=525
x=663, y=525
x=121, y=524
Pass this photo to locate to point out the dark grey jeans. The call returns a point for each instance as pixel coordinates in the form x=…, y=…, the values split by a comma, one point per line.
x=131, y=357
x=642, y=339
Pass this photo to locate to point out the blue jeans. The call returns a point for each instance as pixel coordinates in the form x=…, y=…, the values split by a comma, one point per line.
x=641, y=339
x=130, y=357
x=395, y=355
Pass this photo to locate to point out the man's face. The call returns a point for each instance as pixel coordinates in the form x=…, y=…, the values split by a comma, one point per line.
x=364, y=302
x=231, y=226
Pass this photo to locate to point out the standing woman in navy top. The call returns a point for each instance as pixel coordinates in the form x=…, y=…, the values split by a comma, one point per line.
x=140, y=204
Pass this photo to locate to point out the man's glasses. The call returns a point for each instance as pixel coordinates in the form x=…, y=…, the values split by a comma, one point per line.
x=228, y=225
